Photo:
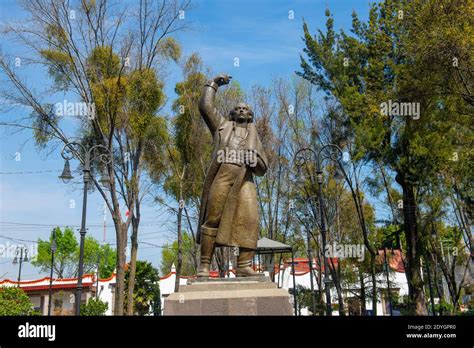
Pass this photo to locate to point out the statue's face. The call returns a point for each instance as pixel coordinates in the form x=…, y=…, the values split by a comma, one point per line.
x=242, y=113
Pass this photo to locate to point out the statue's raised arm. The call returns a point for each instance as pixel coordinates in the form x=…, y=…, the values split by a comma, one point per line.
x=207, y=102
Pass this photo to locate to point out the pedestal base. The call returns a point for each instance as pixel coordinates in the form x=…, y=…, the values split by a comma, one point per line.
x=229, y=296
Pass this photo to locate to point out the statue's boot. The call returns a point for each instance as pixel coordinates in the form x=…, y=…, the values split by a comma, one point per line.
x=244, y=264
x=208, y=239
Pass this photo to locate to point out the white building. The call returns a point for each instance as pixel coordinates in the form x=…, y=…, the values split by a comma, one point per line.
x=63, y=292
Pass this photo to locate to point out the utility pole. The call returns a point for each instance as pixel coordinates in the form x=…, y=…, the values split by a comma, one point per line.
x=53, y=250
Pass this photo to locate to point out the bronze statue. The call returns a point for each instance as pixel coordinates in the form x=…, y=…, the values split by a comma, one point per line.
x=229, y=211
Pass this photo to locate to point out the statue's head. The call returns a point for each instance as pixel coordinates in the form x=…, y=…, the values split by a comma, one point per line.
x=241, y=113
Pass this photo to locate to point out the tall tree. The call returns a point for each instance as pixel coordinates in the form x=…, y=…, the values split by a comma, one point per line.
x=188, y=154
x=146, y=284
x=169, y=256
x=66, y=256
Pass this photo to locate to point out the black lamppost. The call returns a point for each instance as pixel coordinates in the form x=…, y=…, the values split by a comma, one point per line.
x=85, y=158
x=53, y=250
x=320, y=155
x=20, y=250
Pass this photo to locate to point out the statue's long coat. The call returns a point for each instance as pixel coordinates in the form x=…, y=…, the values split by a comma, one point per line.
x=221, y=130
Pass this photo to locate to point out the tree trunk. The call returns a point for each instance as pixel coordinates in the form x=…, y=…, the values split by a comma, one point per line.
x=362, y=292
x=319, y=281
x=133, y=265
x=414, y=249
x=121, y=260
x=340, y=301
x=337, y=284
x=195, y=249
x=180, y=244
x=358, y=202
x=449, y=273
x=374, y=284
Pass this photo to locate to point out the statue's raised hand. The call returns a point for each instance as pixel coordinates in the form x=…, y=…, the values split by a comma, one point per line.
x=222, y=79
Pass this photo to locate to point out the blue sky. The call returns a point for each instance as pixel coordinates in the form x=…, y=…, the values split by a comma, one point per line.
x=259, y=33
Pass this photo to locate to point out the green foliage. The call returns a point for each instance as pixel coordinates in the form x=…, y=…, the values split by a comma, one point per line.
x=444, y=307
x=192, y=141
x=303, y=298
x=94, y=252
x=156, y=142
x=14, y=301
x=146, y=288
x=450, y=239
x=156, y=301
x=109, y=98
x=144, y=96
x=42, y=125
x=145, y=91
x=54, y=59
x=102, y=64
x=170, y=48
x=169, y=256
x=94, y=307
x=58, y=60
x=381, y=67
x=108, y=86
x=400, y=303
x=388, y=236
x=66, y=257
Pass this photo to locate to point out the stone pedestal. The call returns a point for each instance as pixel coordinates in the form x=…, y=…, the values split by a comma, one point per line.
x=229, y=296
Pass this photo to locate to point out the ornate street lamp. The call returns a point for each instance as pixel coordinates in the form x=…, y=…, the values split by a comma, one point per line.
x=303, y=156
x=85, y=156
x=66, y=174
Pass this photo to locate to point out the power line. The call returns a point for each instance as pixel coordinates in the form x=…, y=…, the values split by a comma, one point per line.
x=156, y=246
x=35, y=172
x=148, y=223
x=18, y=239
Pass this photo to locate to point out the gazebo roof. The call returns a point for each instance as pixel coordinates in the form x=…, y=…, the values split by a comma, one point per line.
x=267, y=246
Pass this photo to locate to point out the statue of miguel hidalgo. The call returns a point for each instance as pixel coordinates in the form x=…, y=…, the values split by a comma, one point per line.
x=229, y=211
